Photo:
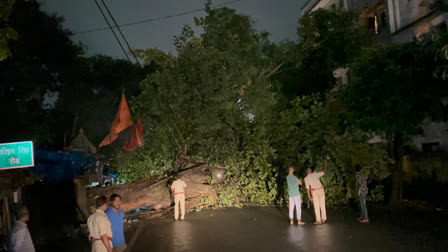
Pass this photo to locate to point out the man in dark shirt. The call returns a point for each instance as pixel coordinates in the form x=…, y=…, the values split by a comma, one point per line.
x=361, y=180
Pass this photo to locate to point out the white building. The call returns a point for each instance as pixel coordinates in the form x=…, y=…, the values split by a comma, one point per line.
x=403, y=20
x=409, y=19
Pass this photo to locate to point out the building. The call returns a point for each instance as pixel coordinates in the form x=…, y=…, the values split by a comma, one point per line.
x=352, y=5
x=409, y=19
x=396, y=21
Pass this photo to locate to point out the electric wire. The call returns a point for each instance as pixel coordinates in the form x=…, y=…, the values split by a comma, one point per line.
x=110, y=27
x=154, y=19
x=122, y=35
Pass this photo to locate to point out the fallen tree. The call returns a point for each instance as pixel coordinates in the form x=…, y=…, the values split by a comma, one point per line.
x=156, y=194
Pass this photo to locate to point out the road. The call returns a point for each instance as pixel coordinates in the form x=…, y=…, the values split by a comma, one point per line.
x=268, y=229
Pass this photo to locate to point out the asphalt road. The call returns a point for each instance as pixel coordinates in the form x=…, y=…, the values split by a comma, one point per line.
x=268, y=229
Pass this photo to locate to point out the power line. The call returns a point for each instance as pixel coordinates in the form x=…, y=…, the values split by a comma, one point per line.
x=122, y=35
x=155, y=19
x=110, y=27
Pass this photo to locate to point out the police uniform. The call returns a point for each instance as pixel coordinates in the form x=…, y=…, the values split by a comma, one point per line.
x=312, y=182
x=99, y=225
x=179, y=198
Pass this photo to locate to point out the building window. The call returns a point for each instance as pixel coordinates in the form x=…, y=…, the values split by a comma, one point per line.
x=430, y=147
x=377, y=22
x=382, y=24
x=371, y=24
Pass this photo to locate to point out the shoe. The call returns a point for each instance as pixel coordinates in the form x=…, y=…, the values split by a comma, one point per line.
x=364, y=221
x=317, y=222
x=300, y=223
x=324, y=221
x=291, y=222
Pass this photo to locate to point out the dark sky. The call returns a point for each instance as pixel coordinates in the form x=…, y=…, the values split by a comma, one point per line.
x=278, y=17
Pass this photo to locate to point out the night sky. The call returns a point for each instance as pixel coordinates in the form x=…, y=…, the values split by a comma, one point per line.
x=279, y=18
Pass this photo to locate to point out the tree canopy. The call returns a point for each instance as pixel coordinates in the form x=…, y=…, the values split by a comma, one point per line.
x=46, y=63
x=394, y=90
x=328, y=40
x=217, y=101
x=6, y=32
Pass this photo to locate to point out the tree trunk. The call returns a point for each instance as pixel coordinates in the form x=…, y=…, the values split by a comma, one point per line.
x=177, y=163
x=157, y=195
x=397, y=172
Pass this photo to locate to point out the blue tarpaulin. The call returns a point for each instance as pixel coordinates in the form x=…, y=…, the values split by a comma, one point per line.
x=57, y=166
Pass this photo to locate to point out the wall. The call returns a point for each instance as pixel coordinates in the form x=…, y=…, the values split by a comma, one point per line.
x=433, y=132
x=353, y=5
x=404, y=12
x=359, y=5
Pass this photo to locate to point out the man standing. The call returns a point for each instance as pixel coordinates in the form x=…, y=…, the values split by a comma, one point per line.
x=100, y=228
x=294, y=197
x=20, y=235
x=115, y=216
x=316, y=193
x=361, y=179
x=179, y=197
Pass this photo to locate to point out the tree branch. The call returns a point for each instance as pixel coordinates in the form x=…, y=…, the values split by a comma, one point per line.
x=274, y=71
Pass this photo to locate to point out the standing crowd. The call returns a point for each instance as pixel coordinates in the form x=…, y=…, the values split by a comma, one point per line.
x=106, y=233
x=316, y=194
x=106, y=225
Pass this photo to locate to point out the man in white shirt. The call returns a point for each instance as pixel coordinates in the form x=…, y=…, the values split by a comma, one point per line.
x=316, y=193
x=179, y=197
x=20, y=235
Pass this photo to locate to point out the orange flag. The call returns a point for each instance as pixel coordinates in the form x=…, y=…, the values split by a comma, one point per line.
x=121, y=122
x=135, y=138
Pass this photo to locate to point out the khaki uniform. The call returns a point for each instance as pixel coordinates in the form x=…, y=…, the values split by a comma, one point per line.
x=312, y=182
x=179, y=198
x=99, y=225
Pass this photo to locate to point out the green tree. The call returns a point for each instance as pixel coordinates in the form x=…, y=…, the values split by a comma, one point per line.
x=311, y=129
x=209, y=103
x=436, y=43
x=6, y=32
x=215, y=102
x=392, y=92
x=43, y=54
x=204, y=91
x=328, y=39
x=46, y=61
